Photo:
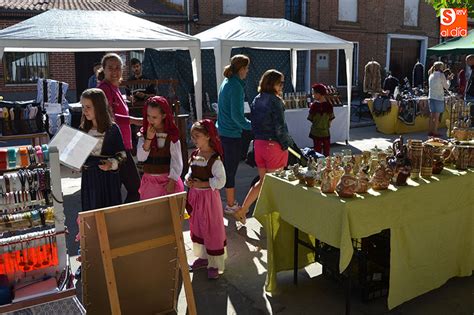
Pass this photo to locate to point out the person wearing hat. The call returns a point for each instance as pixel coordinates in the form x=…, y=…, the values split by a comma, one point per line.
x=320, y=114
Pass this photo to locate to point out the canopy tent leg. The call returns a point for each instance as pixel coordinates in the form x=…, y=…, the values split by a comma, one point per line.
x=348, y=52
x=197, y=79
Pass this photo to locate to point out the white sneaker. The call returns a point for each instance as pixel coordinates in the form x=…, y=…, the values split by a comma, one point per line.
x=230, y=210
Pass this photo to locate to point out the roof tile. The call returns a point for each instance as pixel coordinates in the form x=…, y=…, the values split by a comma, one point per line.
x=158, y=7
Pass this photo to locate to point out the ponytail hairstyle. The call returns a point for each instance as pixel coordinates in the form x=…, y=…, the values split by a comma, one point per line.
x=237, y=62
x=100, y=74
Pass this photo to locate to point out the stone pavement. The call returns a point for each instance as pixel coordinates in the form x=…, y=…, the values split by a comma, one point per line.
x=241, y=289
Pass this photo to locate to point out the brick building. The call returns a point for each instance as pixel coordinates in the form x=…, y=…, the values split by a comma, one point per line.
x=395, y=33
x=19, y=71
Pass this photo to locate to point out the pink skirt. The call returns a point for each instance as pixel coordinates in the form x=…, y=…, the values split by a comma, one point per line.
x=153, y=186
x=207, y=220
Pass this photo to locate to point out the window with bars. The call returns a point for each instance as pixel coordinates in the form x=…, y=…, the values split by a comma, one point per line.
x=138, y=54
x=296, y=11
x=341, y=66
x=25, y=67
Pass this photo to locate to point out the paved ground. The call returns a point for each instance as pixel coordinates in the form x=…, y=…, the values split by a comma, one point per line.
x=240, y=289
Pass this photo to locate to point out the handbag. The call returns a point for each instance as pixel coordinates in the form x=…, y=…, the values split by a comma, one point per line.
x=250, y=158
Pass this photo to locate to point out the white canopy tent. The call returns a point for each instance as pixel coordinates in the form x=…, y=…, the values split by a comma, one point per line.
x=81, y=31
x=265, y=33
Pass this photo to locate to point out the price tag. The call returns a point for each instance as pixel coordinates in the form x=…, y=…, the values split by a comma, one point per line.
x=53, y=108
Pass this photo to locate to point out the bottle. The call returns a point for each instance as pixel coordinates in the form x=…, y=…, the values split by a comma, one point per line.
x=308, y=100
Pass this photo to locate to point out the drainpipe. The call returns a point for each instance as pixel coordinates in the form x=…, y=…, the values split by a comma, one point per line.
x=188, y=15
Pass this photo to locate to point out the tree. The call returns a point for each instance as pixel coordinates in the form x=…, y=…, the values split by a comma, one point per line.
x=443, y=4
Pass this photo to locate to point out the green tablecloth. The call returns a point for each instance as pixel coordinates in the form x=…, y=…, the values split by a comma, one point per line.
x=431, y=224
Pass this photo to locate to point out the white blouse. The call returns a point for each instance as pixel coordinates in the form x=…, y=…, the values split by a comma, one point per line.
x=437, y=84
x=176, y=163
x=217, y=170
x=98, y=148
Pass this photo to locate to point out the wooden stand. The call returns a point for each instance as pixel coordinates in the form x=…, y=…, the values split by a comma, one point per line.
x=60, y=228
x=36, y=138
x=131, y=255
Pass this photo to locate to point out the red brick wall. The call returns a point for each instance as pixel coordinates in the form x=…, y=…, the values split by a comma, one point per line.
x=62, y=68
x=210, y=12
x=376, y=19
x=370, y=31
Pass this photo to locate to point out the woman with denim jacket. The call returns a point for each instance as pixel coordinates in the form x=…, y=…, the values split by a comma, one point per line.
x=271, y=133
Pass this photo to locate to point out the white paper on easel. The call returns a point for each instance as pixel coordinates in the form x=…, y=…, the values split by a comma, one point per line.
x=74, y=146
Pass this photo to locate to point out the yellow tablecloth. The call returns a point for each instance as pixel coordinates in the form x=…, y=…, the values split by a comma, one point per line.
x=390, y=124
x=432, y=234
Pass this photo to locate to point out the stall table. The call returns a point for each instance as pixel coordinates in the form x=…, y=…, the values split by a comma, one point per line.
x=299, y=126
x=390, y=124
x=430, y=224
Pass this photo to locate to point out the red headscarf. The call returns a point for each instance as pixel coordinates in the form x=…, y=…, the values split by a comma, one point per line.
x=319, y=88
x=169, y=125
x=214, y=139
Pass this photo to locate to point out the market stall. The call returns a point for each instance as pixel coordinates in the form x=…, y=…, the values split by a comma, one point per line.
x=428, y=243
x=274, y=34
x=458, y=46
x=392, y=122
x=34, y=265
x=44, y=252
x=81, y=31
x=299, y=126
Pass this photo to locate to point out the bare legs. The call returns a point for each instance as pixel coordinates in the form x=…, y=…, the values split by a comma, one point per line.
x=252, y=195
x=230, y=196
x=434, y=122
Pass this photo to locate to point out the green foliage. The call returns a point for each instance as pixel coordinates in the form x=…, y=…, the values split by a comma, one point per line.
x=443, y=4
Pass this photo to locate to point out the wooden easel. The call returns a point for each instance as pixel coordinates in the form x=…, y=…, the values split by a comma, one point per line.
x=150, y=231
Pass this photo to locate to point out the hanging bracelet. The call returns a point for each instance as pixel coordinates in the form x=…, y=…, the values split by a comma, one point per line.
x=39, y=154
x=11, y=157
x=24, y=157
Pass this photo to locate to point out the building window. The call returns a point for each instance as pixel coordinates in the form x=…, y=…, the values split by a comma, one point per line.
x=296, y=11
x=341, y=66
x=234, y=7
x=347, y=10
x=25, y=67
x=410, y=15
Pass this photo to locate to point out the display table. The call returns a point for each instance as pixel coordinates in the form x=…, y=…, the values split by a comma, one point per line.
x=390, y=124
x=299, y=126
x=430, y=224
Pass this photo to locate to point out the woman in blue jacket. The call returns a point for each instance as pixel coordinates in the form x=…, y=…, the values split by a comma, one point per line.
x=231, y=122
x=271, y=133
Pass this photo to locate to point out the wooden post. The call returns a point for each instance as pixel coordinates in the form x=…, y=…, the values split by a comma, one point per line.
x=183, y=263
x=108, y=264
